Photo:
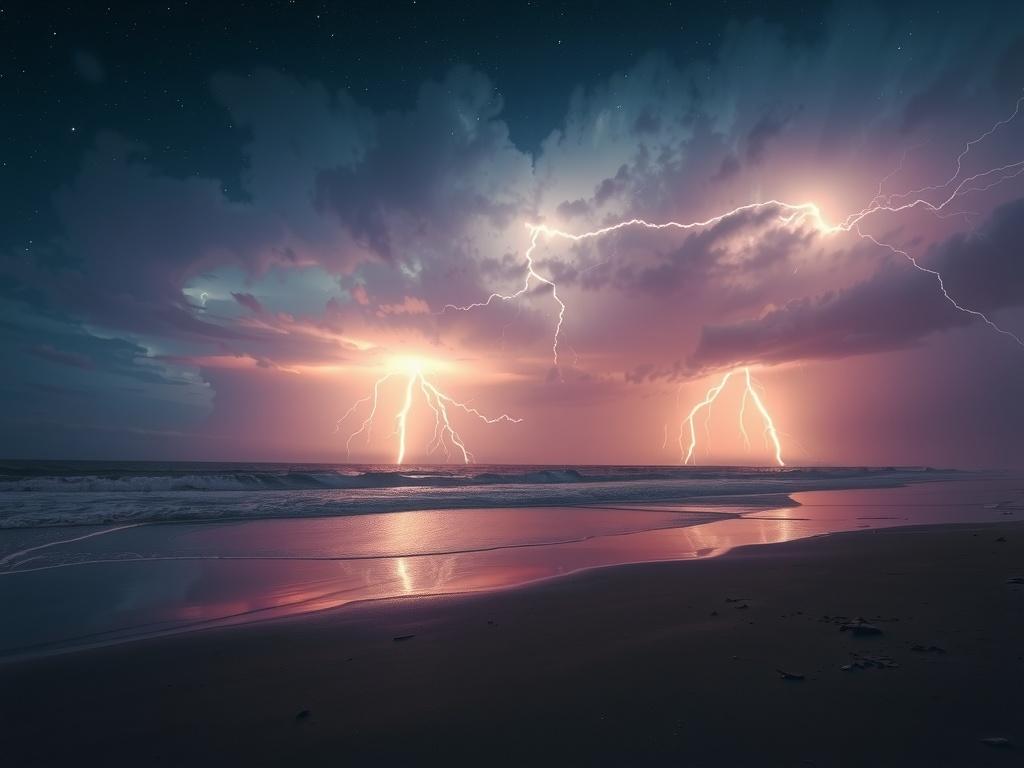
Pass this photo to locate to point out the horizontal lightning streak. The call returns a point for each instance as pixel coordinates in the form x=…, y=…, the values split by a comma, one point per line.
x=795, y=214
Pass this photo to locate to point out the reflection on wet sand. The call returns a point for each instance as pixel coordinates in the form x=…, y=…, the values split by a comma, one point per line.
x=161, y=578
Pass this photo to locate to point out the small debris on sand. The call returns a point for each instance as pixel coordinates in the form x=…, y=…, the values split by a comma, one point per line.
x=737, y=599
x=864, y=661
x=1001, y=539
x=742, y=607
x=402, y=638
x=921, y=648
x=860, y=627
x=789, y=675
x=997, y=741
x=303, y=715
x=1016, y=580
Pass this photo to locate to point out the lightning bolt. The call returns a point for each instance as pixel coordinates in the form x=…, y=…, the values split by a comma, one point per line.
x=769, y=424
x=959, y=161
x=790, y=214
x=797, y=214
x=688, y=425
x=531, y=275
x=445, y=436
x=942, y=287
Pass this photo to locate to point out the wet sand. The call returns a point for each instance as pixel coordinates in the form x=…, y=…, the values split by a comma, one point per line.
x=665, y=663
x=66, y=588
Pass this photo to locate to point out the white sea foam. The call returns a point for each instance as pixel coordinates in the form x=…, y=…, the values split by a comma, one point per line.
x=37, y=495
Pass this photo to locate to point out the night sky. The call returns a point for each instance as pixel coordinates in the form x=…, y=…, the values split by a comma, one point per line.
x=222, y=223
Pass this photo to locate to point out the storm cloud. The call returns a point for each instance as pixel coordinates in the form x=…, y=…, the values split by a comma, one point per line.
x=353, y=225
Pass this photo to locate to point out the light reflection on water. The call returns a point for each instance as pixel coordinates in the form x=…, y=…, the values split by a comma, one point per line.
x=158, y=578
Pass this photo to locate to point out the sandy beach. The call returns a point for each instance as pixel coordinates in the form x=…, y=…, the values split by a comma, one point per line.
x=754, y=658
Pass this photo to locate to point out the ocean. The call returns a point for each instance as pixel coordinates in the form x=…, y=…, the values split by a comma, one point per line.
x=71, y=493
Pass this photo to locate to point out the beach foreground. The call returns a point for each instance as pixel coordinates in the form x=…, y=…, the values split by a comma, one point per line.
x=737, y=660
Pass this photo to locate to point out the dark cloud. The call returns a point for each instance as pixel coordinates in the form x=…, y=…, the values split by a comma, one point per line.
x=934, y=100
x=131, y=239
x=646, y=122
x=249, y=301
x=895, y=308
x=1009, y=70
x=612, y=187
x=765, y=129
x=62, y=357
x=729, y=167
x=574, y=208
x=435, y=168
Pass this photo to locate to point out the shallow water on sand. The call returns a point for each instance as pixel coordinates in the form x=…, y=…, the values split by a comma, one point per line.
x=66, y=587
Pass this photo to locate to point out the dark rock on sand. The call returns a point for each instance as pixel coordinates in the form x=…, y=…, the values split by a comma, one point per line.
x=997, y=741
x=863, y=661
x=789, y=675
x=860, y=627
x=402, y=638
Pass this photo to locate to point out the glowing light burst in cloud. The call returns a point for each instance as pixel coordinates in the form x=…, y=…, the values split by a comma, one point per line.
x=792, y=214
x=797, y=214
x=445, y=437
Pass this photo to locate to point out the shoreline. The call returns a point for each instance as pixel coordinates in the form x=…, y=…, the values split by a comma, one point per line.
x=474, y=568
x=876, y=478
x=527, y=647
x=227, y=625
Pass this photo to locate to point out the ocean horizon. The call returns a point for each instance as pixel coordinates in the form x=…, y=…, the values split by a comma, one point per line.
x=69, y=493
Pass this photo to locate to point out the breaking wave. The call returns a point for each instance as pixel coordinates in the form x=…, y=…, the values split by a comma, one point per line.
x=81, y=493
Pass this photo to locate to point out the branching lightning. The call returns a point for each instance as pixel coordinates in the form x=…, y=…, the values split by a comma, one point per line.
x=797, y=214
x=688, y=425
x=531, y=275
x=790, y=214
x=445, y=436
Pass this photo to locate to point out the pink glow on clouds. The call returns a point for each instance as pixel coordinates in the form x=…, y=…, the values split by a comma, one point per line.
x=345, y=256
